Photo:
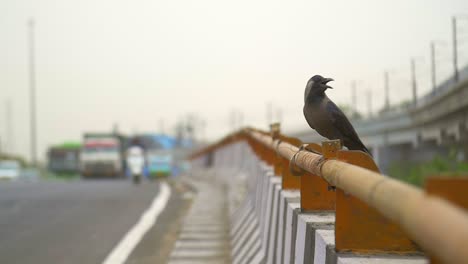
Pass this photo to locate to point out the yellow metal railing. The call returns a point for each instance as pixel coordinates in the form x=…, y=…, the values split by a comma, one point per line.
x=374, y=213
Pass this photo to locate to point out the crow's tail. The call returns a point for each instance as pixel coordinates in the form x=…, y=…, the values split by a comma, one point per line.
x=356, y=145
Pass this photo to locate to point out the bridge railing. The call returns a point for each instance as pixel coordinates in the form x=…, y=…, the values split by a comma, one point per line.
x=374, y=213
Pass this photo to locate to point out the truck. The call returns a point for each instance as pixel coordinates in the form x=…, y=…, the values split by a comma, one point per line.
x=160, y=162
x=102, y=155
x=159, y=154
x=64, y=158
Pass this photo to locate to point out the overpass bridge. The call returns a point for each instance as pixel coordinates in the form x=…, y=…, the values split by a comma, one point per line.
x=433, y=124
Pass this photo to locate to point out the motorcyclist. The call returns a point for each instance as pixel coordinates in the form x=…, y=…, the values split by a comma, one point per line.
x=136, y=159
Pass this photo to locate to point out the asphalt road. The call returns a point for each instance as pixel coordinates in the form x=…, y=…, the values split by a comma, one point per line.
x=80, y=221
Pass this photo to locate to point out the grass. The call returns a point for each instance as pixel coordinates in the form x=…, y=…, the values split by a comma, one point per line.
x=46, y=175
x=416, y=173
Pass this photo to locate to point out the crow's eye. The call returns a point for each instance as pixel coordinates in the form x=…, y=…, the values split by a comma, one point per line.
x=317, y=78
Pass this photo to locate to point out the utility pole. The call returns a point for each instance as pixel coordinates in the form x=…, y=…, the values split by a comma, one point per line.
x=115, y=128
x=433, y=67
x=413, y=80
x=232, y=120
x=32, y=92
x=191, y=127
x=353, y=98
x=369, y=102
x=241, y=119
x=279, y=115
x=161, y=126
x=269, y=113
x=9, y=125
x=455, y=49
x=203, y=130
x=386, y=86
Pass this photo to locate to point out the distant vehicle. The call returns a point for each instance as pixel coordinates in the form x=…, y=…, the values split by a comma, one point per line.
x=102, y=155
x=165, y=155
x=159, y=154
x=9, y=169
x=136, y=162
x=160, y=162
x=64, y=158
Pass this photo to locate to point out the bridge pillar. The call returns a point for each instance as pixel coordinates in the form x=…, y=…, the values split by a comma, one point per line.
x=376, y=155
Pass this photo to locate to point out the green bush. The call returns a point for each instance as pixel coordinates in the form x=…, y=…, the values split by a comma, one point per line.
x=21, y=160
x=416, y=173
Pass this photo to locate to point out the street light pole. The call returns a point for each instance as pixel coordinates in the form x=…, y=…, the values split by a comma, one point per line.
x=9, y=125
x=269, y=113
x=455, y=49
x=433, y=67
x=369, y=102
x=386, y=86
x=353, y=98
x=414, y=84
x=32, y=92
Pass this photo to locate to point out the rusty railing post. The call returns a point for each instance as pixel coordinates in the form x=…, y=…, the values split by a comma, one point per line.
x=360, y=228
x=453, y=189
x=315, y=191
x=275, y=130
x=289, y=180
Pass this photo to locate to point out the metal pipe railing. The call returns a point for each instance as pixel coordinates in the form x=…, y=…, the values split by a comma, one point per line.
x=438, y=226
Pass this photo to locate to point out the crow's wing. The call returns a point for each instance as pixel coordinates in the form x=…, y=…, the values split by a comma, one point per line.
x=304, y=110
x=342, y=124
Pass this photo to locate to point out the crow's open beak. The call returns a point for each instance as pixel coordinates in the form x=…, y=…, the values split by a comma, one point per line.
x=327, y=80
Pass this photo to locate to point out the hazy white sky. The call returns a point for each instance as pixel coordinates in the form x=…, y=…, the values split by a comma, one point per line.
x=135, y=62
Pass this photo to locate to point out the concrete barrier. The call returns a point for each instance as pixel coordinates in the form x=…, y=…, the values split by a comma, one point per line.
x=292, y=211
x=267, y=225
x=307, y=225
x=286, y=196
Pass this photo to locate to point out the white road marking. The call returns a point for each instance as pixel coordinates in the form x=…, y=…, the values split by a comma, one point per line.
x=121, y=252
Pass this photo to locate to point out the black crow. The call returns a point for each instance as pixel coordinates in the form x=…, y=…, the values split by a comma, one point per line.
x=326, y=118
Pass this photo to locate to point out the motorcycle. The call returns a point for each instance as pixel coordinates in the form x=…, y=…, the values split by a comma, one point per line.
x=136, y=163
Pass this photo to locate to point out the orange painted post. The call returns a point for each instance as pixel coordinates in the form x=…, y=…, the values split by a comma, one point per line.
x=315, y=194
x=252, y=143
x=258, y=149
x=289, y=181
x=277, y=161
x=267, y=153
x=263, y=152
x=360, y=228
x=454, y=189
